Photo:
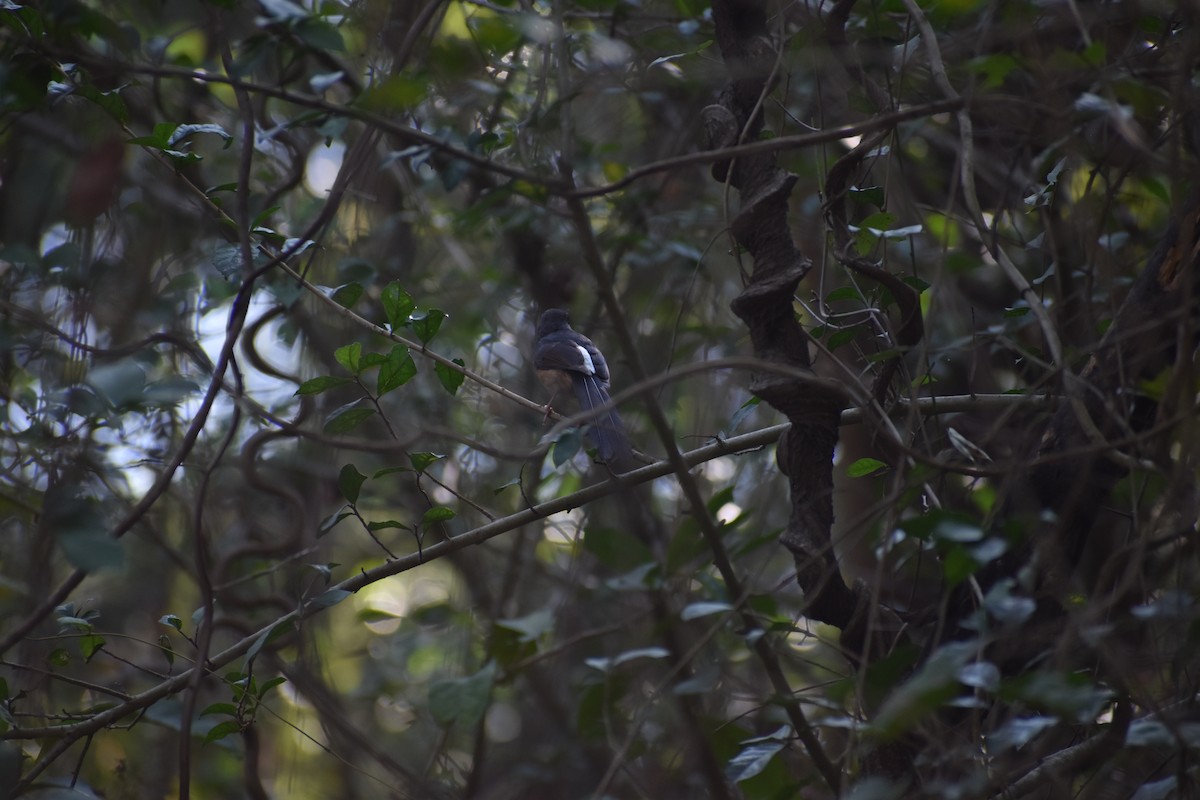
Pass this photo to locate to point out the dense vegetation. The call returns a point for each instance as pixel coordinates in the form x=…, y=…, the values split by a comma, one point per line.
x=900, y=299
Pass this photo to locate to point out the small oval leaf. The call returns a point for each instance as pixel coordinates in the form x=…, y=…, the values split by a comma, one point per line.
x=865, y=466
x=350, y=482
x=451, y=379
x=349, y=356
x=321, y=384
x=397, y=305
x=426, y=324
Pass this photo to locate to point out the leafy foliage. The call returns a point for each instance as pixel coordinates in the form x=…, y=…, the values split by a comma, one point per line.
x=278, y=478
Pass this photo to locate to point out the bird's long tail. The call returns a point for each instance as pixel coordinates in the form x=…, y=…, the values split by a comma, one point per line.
x=607, y=431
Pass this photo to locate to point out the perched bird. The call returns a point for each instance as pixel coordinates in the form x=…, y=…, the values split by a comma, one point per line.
x=565, y=358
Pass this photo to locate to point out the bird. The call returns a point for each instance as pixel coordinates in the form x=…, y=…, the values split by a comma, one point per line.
x=565, y=358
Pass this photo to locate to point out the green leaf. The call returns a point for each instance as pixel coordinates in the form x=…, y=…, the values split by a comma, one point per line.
x=347, y=418
x=333, y=519
x=379, y=473
x=957, y=565
x=387, y=524
x=1018, y=732
x=372, y=360
x=349, y=356
x=878, y=222
x=397, y=369
x=885, y=355
x=437, y=514
x=69, y=623
x=685, y=547
x=594, y=711
x=844, y=293
x=498, y=34
x=172, y=620
x=1095, y=54
x=566, y=446
x=159, y=138
x=714, y=503
x=451, y=379
x=328, y=598
x=183, y=132
x=320, y=34
x=169, y=391
x=110, y=100
x=321, y=384
x=122, y=384
x=839, y=338
x=871, y=194
x=347, y=294
x=924, y=526
x=271, y=634
x=91, y=551
x=396, y=94
x=531, y=627
x=81, y=532
x=164, y=646
x=935, y=683
x=90, y=645
x=369, y=615
x=228, y=709
x=397, y=305
x=350, y=482
x=462, y=701
x=1156, y=188
x=222, y=729
x=1070, y=695
x=222, y=187
x=421, y=461
x=753, y=759
x=453, y=173
x=227, y=259
x=864, y=239
x=425, y=324
x=744, y=410
x=865, y=466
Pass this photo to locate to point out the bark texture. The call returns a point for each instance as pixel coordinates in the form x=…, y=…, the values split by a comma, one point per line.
x=805, y=451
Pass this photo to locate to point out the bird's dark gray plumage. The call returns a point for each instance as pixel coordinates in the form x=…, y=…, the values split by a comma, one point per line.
x=565, y=358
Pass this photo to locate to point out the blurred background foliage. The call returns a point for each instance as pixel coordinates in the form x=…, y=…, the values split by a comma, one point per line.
x=191, y=432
